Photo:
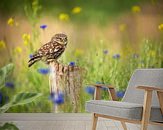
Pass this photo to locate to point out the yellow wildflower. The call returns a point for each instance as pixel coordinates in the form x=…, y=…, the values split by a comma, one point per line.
x=2, y=44
x=26, y=38
x=10, y=21
x=64, y=17
x=122, y=27
x=152, y=53
x=160, y=27
x=18, y=49
x=76, y=10
x=136, y=9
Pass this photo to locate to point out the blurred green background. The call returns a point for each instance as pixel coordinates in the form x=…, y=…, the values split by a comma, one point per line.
x=109, y=39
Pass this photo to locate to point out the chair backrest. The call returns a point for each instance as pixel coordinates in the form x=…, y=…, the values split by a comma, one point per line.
x=147, y=77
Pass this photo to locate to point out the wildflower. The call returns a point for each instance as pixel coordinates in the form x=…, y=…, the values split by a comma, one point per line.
x=136, y=9
x=72, y=63
x=64, y=17
x=9, y=84
x=116, y=56
x=43, y=71
x=2, y=44
x=160, y=27
x=105, y=52
x=10, y=21
x=122, y=27
x=76, y=10
x=26, y=38
x=30, y=56
x=90, y=90
x=43, y=26
x=18, y=50
x=1, y=98
x=57, y=98
x=120, y=94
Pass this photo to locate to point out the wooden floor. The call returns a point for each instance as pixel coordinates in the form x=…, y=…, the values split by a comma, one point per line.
x=52, y=121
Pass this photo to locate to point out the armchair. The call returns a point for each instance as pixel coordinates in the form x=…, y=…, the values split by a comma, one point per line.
x=138, y=107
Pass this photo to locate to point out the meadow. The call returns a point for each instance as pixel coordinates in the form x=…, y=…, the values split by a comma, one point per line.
x=109, y=40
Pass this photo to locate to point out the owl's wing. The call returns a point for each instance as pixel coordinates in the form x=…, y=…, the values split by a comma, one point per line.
x=57, y=52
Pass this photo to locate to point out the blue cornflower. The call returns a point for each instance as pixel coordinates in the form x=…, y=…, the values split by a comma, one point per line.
x=31, y=56
x=116, y=56
x=43, y=70
x=72, y=63
x=1, y=98
x=90, y=90
x=57, y=98
x=120, y=94
x=9, y=84
x=43, y=26
x=105, y=52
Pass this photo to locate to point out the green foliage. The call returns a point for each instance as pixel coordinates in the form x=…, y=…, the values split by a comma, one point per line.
x=20, y=99
x=24, y=98
x=4, y=73
x=8, y=126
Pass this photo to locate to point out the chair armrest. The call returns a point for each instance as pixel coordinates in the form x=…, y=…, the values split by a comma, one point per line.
x=150, y=88
x=111, y=91
x=102, y=86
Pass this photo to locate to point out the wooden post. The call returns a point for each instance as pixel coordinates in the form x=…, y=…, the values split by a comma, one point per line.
x=67, y=79
x=53, y=82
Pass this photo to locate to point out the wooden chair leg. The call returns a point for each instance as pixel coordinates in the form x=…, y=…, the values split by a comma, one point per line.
x=146, y=110
x=94, y=123
x=160, y=98
x=124, y=125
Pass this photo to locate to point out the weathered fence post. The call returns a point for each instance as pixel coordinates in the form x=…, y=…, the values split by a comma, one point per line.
x=68, y=79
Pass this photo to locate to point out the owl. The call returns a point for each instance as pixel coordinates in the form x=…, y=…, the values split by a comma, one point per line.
x=50, y=51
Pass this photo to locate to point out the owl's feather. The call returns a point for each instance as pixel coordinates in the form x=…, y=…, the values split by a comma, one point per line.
x=51, y=50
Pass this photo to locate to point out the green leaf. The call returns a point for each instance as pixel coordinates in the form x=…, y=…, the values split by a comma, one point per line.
x=24, y=98
x=4, y=73
x=5, y=107
x=8, y=126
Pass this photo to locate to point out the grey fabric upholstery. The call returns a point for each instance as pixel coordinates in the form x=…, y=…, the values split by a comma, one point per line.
x=147, y=77
x=132, y=111
x=132, y=103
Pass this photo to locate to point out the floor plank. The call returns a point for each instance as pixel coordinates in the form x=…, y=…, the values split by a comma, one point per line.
x=52, y=121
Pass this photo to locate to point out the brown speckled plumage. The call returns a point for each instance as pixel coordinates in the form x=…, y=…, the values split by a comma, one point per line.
x=51, y=50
